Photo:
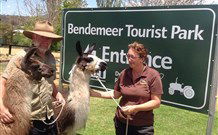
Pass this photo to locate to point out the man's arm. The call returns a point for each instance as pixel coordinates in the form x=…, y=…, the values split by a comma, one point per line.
x=5, y=115
x=57, y=95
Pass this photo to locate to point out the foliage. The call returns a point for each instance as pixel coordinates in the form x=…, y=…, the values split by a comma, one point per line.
x=28, y=24
x=133, y=3
x=74, y=4
x=109, y=3
x=168, y=120
x=6, y=32
x=58, y=16
x=39, y=10
x=19, y=39
x=57, y=24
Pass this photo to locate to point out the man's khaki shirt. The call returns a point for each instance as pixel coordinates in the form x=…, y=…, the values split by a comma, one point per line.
x=42, y=90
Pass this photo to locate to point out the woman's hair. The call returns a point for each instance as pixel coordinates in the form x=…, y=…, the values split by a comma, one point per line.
x=139, y=49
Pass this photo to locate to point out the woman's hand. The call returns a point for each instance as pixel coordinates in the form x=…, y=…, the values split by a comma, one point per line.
x=130, y=109
x=59, y=100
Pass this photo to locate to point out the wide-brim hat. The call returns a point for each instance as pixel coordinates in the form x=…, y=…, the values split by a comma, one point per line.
x=43, y=28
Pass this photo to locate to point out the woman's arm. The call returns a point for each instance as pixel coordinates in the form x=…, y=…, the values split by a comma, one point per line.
x=150, y=105
x=105, y=94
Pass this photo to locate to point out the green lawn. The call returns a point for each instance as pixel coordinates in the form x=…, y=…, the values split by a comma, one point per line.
x=217, y=104
x=168, y=120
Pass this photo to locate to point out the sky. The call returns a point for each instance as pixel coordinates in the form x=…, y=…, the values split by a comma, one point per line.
x=91, y=3
x=10, y=7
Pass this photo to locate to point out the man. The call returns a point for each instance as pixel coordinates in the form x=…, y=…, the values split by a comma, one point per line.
x=42, y=37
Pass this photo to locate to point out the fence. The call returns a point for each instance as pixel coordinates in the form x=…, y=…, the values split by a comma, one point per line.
x=8, y=48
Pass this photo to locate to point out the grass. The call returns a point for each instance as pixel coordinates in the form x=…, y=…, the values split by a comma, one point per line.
x=168, y=120
x=217, y=104
x=101, y=115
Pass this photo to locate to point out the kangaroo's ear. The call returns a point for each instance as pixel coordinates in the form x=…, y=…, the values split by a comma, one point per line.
x=91, y=49
x=79, y=48
x=26, y=60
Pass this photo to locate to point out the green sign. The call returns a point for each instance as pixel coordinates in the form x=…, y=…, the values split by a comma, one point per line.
x=181, y=43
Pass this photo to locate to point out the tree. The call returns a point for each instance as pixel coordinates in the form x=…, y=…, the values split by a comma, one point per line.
x=7, y=26
x=109, y=3
x=51, y=9
x=5, y=32
x=48, y=10
x=133, y=3
x=57, y=22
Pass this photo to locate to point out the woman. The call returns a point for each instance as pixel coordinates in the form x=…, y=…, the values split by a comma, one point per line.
x=140, y=89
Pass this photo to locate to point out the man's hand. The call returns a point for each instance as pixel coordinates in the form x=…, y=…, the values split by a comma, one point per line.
x=5, y=115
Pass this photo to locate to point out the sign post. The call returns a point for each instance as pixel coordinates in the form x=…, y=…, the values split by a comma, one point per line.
x=181, y=42
x=213, y=98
